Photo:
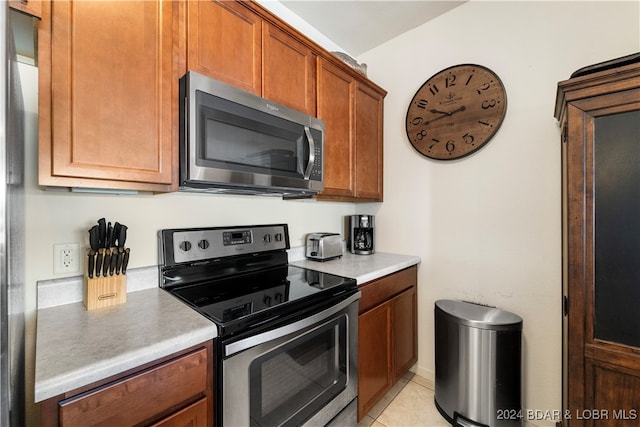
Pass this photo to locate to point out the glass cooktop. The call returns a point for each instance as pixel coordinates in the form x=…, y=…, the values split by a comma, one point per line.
x=248, y=299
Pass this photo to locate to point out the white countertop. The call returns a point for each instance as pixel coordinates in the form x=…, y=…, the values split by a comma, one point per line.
x=363, y=268
x=76, y=347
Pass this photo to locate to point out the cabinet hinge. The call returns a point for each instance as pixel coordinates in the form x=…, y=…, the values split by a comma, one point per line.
x=565, y=306
x=565, y=133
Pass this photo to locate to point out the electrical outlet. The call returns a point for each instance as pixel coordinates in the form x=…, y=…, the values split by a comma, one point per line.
x=66, y=258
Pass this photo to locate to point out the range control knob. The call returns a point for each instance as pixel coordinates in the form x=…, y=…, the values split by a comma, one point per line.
x=267, y=238
x=279, y=237
x=267, y=300
x=203, y=244
x=185, y=245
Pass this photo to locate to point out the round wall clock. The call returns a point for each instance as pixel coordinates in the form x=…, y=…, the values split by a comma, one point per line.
x=456, y=112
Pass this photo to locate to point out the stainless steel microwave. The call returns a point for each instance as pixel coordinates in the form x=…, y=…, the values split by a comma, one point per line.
x=232, y=141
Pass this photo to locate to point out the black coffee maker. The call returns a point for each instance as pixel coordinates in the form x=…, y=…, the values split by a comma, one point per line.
x=360, y=234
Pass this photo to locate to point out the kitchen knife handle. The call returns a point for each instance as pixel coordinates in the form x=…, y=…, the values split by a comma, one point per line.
x=99, y=262
x=122, y=235
x=119, y=260
x=125, y=260
x=94, y=238
x=116, y=234
x=92, y=255
x=114, y=260
x=106, y=262
x=109, y=239
x=102, y=232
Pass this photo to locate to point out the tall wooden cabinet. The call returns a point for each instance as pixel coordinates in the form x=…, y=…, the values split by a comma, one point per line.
x=600, y=117
x=387, y=333
x=108, y=94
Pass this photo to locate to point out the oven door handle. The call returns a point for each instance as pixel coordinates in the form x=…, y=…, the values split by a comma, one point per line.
x=267, y=336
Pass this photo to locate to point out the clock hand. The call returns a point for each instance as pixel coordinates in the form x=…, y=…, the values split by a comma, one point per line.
x=444, y=114
x=427, y=122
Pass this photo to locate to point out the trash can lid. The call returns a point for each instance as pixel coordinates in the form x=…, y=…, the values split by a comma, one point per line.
x=480, y=316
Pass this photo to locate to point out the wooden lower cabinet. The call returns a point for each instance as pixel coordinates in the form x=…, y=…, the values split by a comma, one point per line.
x=387, y=335
x=177, y=391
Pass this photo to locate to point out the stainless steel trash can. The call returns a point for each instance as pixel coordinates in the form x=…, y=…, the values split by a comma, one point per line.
x=478, y=365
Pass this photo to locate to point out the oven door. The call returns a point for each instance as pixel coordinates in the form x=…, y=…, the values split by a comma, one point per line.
x=297, y=374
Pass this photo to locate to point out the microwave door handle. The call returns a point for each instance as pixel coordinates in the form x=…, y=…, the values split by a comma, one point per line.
x=312, y=152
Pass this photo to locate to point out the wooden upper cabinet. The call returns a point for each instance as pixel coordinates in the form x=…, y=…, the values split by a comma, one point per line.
x=336, y=89
x=230, y=42
x=353, y=115
x=224, y=41
x=108, y=95
x=30, y=7
x=289, y=71
x=368, y=141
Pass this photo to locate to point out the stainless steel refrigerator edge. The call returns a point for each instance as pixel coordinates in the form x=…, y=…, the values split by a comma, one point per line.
x=12, y=389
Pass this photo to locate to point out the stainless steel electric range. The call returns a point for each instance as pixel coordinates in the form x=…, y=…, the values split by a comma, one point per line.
x=286, y=352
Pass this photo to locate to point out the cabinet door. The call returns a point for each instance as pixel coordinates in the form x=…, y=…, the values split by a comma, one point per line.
x=374, y=358
x=108, y=94
x=289, y=69
x=404, y=321
x=336, y=90
x=604, y=371
x=224, y=41
x=369, y=110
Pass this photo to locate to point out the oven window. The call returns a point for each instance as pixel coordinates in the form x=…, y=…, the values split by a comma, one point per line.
x=292, y=382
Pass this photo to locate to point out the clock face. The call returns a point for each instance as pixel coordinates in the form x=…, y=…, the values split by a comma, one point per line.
x=456, y=112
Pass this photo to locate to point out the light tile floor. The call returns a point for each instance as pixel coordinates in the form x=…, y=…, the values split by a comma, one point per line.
x=408, y=404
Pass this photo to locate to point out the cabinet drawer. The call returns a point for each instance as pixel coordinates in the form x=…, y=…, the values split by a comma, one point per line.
x=153, y=393
x=194, y=415
x=381, y=290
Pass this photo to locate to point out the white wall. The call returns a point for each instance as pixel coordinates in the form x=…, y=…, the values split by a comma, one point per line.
x=488, y=227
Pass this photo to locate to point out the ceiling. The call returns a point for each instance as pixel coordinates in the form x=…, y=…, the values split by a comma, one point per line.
x=360, y=25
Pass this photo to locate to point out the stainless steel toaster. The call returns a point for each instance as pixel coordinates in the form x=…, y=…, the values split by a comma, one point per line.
x=324, y=246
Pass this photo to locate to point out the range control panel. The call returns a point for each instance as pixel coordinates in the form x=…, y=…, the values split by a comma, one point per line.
x=192, y=244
